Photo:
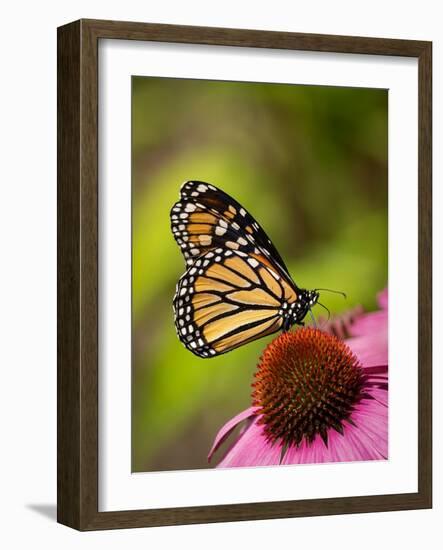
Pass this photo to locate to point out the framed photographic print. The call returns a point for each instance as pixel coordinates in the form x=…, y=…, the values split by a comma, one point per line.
x=244, y=274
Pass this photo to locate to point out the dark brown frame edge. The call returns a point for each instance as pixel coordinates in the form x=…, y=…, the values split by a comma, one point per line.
x=77, y=428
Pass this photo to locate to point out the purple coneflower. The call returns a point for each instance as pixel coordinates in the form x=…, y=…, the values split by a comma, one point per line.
x=318, y=396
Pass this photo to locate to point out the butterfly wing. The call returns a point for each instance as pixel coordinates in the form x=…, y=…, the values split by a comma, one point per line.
x=206, y=218
x=228, y=298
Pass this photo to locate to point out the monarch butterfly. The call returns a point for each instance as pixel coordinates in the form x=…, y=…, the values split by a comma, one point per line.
x=236, y=287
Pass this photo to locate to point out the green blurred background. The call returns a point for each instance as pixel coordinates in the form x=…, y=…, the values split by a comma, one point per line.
x=310, y=164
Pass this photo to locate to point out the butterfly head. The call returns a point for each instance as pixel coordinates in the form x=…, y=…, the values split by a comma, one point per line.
x=298, y=310
x=311, y=297
x=306, y=300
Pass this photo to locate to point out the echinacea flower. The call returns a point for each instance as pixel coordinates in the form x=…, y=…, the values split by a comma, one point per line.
x=318, y=396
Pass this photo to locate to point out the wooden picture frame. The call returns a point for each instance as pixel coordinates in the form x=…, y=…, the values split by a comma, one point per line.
x=78, y=274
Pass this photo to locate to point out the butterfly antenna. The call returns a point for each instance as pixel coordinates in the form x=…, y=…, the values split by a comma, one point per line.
x=334, y=291
x=324, y=307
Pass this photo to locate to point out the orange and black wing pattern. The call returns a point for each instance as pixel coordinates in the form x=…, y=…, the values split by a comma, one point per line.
x=206, y=218
x=228, y=298
x=236, y=287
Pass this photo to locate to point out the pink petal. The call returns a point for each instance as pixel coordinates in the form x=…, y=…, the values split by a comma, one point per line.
x=252, y=449
x=224, y=432
x=370, y=323
x=362, y=444
x=349, y=446
x=372, y=350
x=376, y=378
x=377, y=371
x=353, y=445
x=381, y=396
x=382, y=298
x=371, y=419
